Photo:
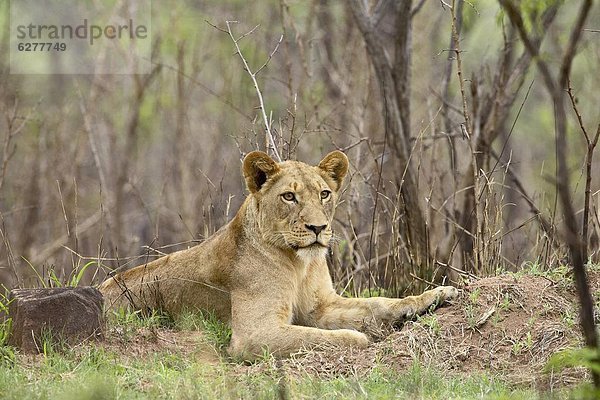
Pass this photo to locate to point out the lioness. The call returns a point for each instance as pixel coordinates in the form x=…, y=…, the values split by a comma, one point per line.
x=265, y=272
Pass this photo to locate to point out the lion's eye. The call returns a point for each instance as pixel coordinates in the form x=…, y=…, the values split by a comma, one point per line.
x=325, y=194
x=288, y=196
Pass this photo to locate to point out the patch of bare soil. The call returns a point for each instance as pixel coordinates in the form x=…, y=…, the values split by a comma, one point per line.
x=506, y=325
x=135, y=343
x=146, y=342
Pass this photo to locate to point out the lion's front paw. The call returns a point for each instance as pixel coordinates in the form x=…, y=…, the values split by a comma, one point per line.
x=436, y=297
x=447, y=293
x=357, y=339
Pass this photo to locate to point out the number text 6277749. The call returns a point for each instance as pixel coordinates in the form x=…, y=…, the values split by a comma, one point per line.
x=42, y=46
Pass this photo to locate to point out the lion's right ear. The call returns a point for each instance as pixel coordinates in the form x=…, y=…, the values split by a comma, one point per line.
x=258, y=167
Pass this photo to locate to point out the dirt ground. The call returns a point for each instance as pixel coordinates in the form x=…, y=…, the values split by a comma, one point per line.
x=507, y=325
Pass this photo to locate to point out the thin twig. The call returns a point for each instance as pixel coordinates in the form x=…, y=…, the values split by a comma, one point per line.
x=350, y=146
x=577, y=113
x=62, y=204
x=471, y=139
x=250, y=32
x=457, y=270
x=591, y=146
x=270, y=55
x=425, y=281
x=266, y=121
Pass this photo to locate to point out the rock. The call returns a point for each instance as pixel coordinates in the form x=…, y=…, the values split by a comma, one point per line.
x=69, y=315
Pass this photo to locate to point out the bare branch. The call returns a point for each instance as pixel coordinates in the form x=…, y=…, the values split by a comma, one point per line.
x=250, y=32
x=266, y=120
x=457, y=51
x=591, y=146
x=417, y=8
x=515, y=17
x=216, y=27
x=270, y=55
x=567, y=61
x=579, y=119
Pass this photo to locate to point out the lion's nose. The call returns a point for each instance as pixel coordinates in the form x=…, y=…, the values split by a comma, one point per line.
x=316, y=228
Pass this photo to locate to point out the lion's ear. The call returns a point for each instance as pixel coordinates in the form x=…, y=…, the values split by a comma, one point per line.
x=335, y=165
x=258, y=167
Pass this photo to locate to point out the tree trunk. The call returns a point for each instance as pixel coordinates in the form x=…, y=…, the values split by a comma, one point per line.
x=389, y=25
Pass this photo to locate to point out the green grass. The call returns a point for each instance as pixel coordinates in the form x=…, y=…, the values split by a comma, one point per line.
x=561, y=275
x=217, y=333
x=96, y=372
x=103, y=375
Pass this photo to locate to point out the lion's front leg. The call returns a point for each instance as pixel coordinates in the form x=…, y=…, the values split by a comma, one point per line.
x=263, y=324
x=338, y=312
x=284, y=339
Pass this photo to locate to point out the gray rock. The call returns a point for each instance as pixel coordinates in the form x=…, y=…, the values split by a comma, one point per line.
x=69, y=315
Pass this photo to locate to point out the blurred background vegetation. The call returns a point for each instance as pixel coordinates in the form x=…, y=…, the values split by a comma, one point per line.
x=119, y=169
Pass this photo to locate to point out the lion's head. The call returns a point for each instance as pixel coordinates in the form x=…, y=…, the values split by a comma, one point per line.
x=294, y=201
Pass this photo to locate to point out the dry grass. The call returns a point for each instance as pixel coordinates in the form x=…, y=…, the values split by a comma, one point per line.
x=508, y=326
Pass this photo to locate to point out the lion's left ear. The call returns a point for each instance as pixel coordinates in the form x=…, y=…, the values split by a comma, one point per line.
x=335, y=165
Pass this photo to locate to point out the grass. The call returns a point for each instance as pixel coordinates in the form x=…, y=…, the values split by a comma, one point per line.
x=133, y=366
x=94, y=371
x=96, y=374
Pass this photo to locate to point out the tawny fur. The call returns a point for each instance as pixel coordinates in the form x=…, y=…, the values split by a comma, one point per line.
x=265, y=272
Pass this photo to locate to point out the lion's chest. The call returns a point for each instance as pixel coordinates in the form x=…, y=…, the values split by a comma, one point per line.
x=305, y=297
